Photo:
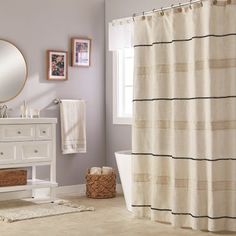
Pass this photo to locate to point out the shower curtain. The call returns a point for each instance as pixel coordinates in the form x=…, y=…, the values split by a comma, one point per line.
x=184, y=124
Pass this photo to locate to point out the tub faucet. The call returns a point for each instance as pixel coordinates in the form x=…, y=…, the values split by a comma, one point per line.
x=3, y=111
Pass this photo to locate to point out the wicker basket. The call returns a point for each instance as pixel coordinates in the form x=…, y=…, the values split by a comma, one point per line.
x=13, y=177
x=101, y=186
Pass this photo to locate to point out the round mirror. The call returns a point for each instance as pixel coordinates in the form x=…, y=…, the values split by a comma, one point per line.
x=13, y=71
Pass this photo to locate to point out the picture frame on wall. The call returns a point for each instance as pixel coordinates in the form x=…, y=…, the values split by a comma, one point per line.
x=81, y=52
x=57, y=65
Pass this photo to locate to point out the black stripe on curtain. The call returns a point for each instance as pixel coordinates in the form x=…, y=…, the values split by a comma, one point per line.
x=185, y=40
x=186, y=214
x=180, y=99
x=183, y=158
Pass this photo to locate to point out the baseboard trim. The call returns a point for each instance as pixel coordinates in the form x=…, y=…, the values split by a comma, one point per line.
x=119, y=189
x=78, y=190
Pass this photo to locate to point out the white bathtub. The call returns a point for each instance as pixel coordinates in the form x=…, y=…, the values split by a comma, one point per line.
x=123, y=160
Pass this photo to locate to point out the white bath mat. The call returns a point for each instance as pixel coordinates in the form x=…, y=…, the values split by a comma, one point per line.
x=18, y=210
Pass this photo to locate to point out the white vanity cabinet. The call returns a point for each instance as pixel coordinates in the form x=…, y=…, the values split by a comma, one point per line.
x=29, y=143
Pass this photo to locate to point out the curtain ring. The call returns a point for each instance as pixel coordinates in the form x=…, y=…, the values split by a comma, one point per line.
x=229, y=1
x=214, y=2
x=134, y=17
x=201, y=3
x=180, y=7
x=143, y=17
x=162, y=12
x=190, y=4
x=153, y=10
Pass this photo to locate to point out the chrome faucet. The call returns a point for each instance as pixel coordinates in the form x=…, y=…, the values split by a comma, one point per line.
x=3, y=111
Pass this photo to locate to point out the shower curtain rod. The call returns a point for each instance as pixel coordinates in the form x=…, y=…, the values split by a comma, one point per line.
x=162, y=9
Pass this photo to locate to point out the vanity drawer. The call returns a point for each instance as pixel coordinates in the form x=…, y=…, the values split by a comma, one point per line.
x=44, y=132
x=17, y=132
x=36, y=151
x=7, y=152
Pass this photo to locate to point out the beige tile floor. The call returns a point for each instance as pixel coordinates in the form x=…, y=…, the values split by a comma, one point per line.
x=110, y=219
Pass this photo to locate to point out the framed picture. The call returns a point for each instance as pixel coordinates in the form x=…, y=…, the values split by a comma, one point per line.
x=57, y=65
x=81, y=51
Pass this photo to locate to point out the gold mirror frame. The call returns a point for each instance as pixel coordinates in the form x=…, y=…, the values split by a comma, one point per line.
x=26, y=71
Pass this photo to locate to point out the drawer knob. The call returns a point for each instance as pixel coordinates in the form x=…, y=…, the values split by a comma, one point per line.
x=1, y=153
x=19, y=132
x=36, y=151
x=44, y=132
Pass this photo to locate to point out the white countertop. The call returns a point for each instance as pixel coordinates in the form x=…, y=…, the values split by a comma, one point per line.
x=18, y=120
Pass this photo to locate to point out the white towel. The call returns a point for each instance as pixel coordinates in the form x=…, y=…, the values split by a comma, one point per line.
x=95, y=171
x=106, y=170
x=73, y=126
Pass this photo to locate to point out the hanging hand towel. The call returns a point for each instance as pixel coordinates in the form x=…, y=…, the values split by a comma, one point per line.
x=73, y=126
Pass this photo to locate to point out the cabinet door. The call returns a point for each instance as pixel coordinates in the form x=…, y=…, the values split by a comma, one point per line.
x=36, y=151
x=44, y=132
x=7, y=153
x=17, y=132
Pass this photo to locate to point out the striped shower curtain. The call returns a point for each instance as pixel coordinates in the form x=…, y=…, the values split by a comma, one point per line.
x=184, y=125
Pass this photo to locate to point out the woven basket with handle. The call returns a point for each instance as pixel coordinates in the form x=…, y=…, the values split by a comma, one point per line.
x=100, y=186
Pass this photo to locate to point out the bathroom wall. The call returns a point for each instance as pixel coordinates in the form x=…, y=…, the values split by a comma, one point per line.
x=118, y=137
x=35, y=26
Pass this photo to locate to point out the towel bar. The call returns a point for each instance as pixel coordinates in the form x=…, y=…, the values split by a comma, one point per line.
x=56, y=101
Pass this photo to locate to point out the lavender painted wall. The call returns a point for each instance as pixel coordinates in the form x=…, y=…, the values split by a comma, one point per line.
x=118, y=137
x=35, y=26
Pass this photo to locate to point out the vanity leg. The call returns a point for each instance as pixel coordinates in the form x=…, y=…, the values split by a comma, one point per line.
x=52, y=194
x=53, y=168
x=34, y=176
x=53, y=180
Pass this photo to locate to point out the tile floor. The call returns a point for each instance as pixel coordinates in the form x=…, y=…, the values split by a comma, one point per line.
x=109, y=219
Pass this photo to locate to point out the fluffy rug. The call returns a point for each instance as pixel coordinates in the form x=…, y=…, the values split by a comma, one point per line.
x=17, y=210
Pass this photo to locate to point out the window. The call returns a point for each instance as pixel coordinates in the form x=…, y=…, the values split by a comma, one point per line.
x=123, y=63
